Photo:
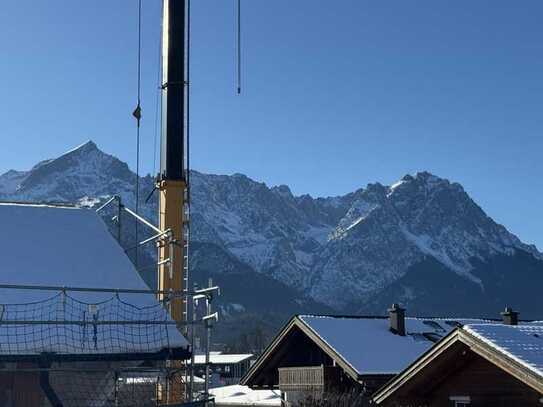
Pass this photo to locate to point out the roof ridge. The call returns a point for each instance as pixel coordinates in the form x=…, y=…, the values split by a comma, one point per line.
x=41, y=204
x=420, y=318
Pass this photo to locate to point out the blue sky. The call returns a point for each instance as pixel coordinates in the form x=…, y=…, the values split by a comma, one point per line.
x=335, y=94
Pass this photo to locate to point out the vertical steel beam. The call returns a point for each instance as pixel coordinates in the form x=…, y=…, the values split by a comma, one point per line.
x=172, y=158
x=172, y=178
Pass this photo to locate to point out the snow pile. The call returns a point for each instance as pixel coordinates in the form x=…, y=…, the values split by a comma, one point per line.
x=243, y=396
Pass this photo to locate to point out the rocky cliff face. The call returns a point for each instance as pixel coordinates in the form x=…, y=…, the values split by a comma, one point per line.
x=355, y=252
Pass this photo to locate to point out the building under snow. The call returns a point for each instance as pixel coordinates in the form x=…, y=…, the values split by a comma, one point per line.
x=475, y=365
x=225, y=368
x=315, y=355
x=73, y=347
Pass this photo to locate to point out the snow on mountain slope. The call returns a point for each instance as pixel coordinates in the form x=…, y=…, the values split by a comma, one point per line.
x=338, y=250
x=263, y=227
x=419, y=216
x=10, y=181
x=83, y=171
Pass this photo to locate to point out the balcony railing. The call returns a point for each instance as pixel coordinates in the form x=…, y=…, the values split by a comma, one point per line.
x=312, y=378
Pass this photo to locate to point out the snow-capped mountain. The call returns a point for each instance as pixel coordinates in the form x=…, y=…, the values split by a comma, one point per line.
x=416, y=242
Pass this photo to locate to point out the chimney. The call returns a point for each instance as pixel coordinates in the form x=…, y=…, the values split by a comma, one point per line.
x=396, y=315
x=509, y=316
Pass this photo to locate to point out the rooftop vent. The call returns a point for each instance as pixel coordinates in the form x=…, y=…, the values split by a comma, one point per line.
x=396, y=315
x=509, y=316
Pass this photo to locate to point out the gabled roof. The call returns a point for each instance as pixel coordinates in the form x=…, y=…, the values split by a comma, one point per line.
x=517, y=350
x=61, y=246
x=364, y=345
x=522, y=343
x=52, y=245
x=222, y=358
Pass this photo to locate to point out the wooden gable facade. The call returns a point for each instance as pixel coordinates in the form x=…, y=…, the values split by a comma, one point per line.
x=463, y=371
x=299, y=361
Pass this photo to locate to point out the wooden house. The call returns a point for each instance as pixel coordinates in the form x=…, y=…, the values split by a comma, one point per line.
x=318, y=355
x=225, y=368
x=494, y=365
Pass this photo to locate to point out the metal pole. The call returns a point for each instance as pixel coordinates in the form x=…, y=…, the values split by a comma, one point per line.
x=113, y=198
x=119, y=212
x=89, y=322
x=116, y=397
x=192, y=357
x=142, y=220
x=206, y=389
x=208, y=339
x=173, y=294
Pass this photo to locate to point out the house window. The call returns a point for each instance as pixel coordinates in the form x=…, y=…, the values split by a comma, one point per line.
x=460, y=401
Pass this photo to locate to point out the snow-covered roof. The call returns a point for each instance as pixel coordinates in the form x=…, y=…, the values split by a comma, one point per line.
x=222, y=359
x=150, y=378
x=523, y=343
x=369, y=347
x=516, y=349
x=60, y=246
x=49, y=245
x=238, y=395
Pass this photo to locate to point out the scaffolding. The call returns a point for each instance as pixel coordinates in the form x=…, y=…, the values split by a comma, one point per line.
x=190, y=298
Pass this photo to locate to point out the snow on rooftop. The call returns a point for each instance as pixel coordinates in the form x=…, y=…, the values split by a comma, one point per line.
x=369, y=346
x=71, y=247
x=238, y=395
x=523, y=343
x=61, y=246
x=145, y=379
x=222, y=358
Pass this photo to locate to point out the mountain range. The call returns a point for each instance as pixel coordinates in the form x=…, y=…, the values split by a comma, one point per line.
x=422, y=242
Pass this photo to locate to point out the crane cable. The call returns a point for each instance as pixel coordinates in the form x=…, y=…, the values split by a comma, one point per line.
x=137, y=115
x=238, y=46
x=187, y=176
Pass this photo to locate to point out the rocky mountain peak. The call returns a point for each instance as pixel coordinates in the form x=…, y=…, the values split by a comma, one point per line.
x=85, y=148
x=284, y=191
x=339, y=250
x=83, y=171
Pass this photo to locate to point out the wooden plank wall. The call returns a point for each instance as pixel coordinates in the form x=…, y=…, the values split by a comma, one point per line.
x=21, y=389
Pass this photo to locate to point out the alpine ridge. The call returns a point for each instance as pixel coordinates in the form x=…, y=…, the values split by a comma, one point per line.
x=421, y=241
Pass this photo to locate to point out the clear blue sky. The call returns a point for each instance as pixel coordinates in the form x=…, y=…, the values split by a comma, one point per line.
x=336, y=93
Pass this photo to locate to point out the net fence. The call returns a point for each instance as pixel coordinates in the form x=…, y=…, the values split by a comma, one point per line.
x=65, y=325
x=63, y=351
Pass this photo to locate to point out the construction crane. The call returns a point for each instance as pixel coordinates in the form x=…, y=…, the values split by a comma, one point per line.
x=172, y=180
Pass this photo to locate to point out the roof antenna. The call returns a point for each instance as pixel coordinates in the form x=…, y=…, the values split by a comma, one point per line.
x=238, y=46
